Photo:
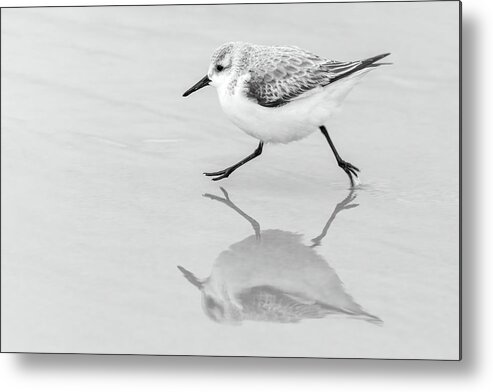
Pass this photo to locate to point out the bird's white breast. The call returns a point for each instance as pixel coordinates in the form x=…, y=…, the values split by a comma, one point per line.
x=293, y=121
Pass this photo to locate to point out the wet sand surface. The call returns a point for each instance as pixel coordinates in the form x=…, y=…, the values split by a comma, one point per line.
x=103, y=192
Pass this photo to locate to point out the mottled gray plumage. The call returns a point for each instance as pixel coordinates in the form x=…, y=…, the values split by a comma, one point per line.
x=267, y=303
x=279, y=74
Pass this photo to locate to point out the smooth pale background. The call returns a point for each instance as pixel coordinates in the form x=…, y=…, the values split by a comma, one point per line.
x=127, y=373
x=102, y=185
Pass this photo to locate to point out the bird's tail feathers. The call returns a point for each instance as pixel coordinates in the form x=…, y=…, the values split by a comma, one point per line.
x=361, y=65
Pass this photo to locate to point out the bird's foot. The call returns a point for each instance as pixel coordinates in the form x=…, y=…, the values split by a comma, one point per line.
x=349, y=169
x=219, y=175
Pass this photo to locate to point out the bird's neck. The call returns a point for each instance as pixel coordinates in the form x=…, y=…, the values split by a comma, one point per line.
x=233, y=84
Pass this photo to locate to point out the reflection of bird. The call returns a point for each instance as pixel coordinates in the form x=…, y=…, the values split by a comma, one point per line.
x=273, y=276
x=279, y=94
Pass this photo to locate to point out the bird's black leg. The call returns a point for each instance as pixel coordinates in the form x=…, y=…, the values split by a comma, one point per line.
x=219, y=175
x=348, y=168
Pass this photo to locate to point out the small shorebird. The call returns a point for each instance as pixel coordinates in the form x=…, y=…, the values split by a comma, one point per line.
x=279, y=94
x=273, y=276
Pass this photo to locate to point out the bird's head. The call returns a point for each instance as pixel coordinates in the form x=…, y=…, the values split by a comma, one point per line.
x=222, y=65
x=215, y=304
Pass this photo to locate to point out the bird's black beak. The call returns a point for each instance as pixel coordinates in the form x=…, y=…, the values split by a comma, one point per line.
x=197, y=86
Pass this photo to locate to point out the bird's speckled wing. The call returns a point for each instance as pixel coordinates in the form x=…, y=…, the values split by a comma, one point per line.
x=281, y=74
x=266, y=303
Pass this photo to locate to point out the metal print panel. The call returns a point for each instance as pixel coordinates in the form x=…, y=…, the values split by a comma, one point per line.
x=327, y=221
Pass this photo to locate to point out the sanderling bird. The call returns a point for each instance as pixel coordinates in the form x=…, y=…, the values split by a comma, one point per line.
x=279, y=94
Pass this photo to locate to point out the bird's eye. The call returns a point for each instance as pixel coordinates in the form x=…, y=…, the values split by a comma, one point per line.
x=219, y=68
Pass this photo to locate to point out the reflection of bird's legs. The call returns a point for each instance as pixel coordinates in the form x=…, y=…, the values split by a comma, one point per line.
x=226, y=200
x=343, y=205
